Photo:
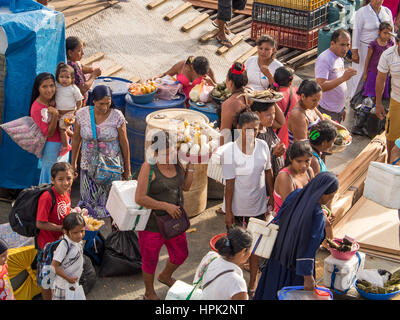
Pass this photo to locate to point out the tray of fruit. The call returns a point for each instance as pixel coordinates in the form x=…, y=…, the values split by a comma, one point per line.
x=143, y=92
x=92, y=224
x=342, y=141
x=196, y=142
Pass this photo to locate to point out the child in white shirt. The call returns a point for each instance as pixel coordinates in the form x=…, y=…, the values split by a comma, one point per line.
x=68, y=257
x=68, y=99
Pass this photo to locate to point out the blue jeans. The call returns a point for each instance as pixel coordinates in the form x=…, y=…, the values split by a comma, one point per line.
x=50, y=157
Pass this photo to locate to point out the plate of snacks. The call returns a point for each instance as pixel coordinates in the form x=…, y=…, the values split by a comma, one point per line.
x=266, y=96
x=342, y=141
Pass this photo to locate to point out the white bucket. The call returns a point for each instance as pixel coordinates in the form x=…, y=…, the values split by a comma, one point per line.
x=264, y=236
x=123, y=209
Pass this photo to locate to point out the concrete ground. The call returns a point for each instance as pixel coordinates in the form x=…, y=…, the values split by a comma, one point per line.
x=208, y=223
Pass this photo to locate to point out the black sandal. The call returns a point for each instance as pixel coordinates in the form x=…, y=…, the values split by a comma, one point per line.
x=224, y=42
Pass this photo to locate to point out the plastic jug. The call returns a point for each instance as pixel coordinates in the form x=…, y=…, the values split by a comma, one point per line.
x=350, y=7
x=336, y=12
x=298, y=293
x=325, y=35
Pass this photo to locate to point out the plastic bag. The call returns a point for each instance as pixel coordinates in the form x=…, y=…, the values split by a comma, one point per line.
x=122, y=255
x=167, y=88
x=205, y=93
x=74, y=292
x=376, y=277
x=88, y=277
x=26, y=134
x=194, y=94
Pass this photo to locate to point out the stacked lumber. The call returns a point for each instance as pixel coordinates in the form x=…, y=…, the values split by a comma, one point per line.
x=353, y=176
x=376, y=228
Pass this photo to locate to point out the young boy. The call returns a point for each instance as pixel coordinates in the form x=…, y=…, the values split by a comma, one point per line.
x=6, y=292
x=49, y=222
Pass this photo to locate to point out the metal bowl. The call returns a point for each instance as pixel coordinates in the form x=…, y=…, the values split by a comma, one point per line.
x=338, y=148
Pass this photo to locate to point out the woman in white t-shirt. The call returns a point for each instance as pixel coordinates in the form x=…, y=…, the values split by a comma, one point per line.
x=223, y=277
x=261, y=68
x=246, y=168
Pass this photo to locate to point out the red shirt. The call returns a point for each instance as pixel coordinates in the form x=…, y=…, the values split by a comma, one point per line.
x=56, y=216
x=283, y=104
x=36, y=114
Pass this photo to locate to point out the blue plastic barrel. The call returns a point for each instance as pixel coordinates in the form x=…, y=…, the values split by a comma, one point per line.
x=119, y=87
x=136, y=115
x=208, y=109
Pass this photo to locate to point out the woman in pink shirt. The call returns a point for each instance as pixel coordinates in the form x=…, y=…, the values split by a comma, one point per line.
x=46, y=117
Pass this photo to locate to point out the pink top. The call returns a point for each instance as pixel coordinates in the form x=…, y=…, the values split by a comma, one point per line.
x=37, y=116
x=277, y=198
x=284, y=104
x=186, y=85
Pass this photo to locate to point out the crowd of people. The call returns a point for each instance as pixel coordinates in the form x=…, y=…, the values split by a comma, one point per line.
x=273, y=155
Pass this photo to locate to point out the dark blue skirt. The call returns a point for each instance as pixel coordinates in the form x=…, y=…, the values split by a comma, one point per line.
x=273, y=278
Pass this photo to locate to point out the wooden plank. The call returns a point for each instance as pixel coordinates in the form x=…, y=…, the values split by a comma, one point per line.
x=241, y=28
x=94, y=57
x=372, y=225
x=342, y=205
x=61, y=5
x=208, y=36
x=289, y=55
x=306, y=54
x=111, y=70
x=194, y=22
x=85, y=10
x=210, y=4
x=177, y=11
x=154, y=4
x=282, y=51
x=241, y=23
x=135, y=79
x=234, y=42
x=248, y=54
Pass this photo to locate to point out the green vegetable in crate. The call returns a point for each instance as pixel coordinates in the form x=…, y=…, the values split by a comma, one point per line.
x=216, y=93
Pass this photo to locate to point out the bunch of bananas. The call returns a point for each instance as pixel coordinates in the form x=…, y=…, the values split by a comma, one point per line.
x=93, y=224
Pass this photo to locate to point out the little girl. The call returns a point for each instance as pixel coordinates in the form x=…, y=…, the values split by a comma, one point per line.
x=375, y=51
x=68, y=100
x=68, y=257
x=6, y=291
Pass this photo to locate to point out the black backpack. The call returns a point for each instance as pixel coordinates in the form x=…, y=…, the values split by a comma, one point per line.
x=23, y=213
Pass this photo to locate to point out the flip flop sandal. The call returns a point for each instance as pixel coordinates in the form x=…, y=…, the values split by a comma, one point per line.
x=251, y=294
x=228, y=31
x=224, y=42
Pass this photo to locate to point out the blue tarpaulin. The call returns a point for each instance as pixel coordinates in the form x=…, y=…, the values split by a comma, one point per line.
x=36, y=43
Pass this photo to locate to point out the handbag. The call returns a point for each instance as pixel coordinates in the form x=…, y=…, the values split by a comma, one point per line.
x=170, y=227
x=103, y=169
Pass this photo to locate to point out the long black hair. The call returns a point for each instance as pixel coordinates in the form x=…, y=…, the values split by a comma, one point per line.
x=36, y=84
x=235, y=241
x=298, y=149
x=101, y=91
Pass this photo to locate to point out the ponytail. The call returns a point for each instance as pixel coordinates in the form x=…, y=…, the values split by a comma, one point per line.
x=235, y=241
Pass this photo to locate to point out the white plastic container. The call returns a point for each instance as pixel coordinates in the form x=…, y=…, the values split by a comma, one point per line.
x=345, y=271
x=123, y=209
x=264, y=236
x=382, y=184
x=180, y=291
x=214, y=168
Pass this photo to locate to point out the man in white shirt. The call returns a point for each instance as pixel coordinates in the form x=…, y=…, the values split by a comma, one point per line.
x=331, y=75
x=389, y=63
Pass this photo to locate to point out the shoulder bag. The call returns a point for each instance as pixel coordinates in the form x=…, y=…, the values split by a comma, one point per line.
x=170, y=227
x=103, y=169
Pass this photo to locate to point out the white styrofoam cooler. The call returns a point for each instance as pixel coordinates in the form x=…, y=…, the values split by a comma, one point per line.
x=123, y=209
x=263, y=237
x=382, y=184
x=214, y=168
x=346, y=273
x=180, y=291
